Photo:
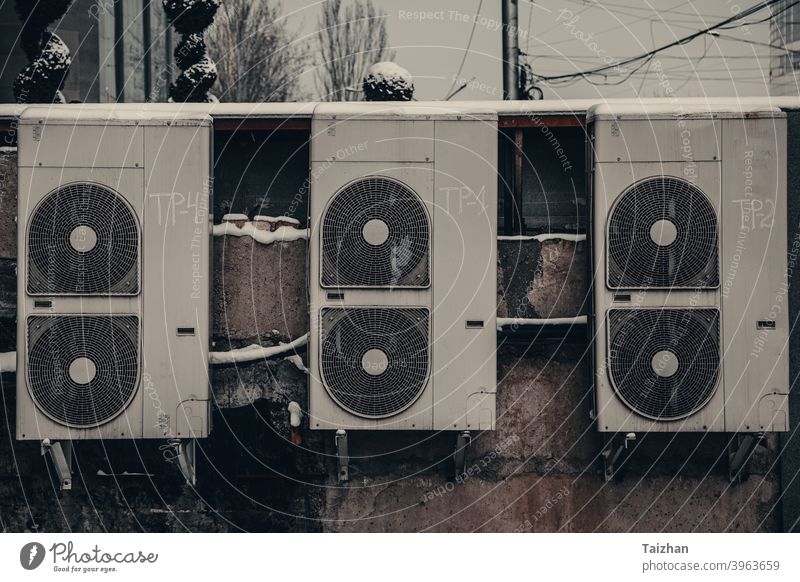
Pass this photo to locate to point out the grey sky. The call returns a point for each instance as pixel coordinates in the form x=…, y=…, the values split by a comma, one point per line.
x=560, y=42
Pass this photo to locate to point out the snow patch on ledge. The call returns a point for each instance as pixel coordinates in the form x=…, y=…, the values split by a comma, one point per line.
x=256, y=352
x=266, y=237
x=521, y=321
x=273, y=219
x=8, y=362
x=231, y=217
x=545, y=237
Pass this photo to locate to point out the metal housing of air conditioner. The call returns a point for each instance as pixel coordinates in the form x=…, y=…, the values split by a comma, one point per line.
x=113, y=274
x=684, y=341
x=419, y=289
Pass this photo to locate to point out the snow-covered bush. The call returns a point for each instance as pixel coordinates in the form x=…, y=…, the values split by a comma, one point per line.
x=190, y=18
x=387, y=81
x=42, y=79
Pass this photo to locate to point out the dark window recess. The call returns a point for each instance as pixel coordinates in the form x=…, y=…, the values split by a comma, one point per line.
x=185, y=331
x=474, y=324
x=622, y=297
x=42, y=303
x=262, y=172
x=554, y=179
x=765, y=324
x=335, y=296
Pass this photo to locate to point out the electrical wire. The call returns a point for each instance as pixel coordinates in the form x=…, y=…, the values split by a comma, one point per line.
x=649, y=9
x=768, y=18
x=637, y=18
x=646, y=57
x=466, y=50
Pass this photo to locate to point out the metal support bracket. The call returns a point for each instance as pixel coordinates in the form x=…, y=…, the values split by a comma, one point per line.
x=615, y=448
x=61, y=457
x=342, y=456
x=739, y=454
x=186, y=452
x=463, y=442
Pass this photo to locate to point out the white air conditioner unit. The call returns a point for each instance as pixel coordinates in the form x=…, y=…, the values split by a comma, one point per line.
x=403, y=268
x=113, y=265
x=689, y=234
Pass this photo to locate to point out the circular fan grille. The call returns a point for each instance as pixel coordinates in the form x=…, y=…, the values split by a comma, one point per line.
x=375, y=361
x=664, y=363
x=83, y=371
x=83, y=239
x=662, y=233
x=375, y=234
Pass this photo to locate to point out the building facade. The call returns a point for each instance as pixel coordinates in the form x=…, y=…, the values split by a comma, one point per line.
x=121, y=51
x=785, y=64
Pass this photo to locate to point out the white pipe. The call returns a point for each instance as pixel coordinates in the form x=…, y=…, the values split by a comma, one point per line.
x=295, y=414
x=545, y=237
x=8, y=362
x=255, y=352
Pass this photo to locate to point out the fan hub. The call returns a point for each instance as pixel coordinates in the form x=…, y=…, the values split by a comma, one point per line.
x=664, y=363
x=663, y=232
x=83, y=238
x=374, y=362
x=82, y=370
x=375, y=232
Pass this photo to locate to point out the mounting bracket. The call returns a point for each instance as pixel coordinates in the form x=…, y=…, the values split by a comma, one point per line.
x=186, y=452
x=61, y=457
x=342, y=456
x=463, y=441
x=615, y=447
x=739, y=452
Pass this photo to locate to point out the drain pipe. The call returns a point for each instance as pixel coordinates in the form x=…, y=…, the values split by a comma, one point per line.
x=295, y=420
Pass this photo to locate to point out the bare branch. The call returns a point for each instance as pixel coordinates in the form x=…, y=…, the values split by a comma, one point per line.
x=351, y=38
x=258, y=57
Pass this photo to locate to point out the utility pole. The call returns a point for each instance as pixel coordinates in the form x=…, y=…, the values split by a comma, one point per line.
x=510, y=50
x=512, y=145
x=147, y=39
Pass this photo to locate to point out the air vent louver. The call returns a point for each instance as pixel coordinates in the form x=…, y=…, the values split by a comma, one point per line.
x=664, y=363
x=83, y=239
x=83, y=370
x=375, y=233
x=374, y=361
x=662, y=232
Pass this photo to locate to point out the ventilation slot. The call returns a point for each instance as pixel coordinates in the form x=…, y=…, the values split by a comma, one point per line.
x=664, y=363
x=374, y=361
x=662, y=233
x=83, y=371
x=83, y=239
x=375, y=233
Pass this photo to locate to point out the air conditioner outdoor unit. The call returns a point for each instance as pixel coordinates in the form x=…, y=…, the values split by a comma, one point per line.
x=403, y=264
x=113, y=264
x=690, y=262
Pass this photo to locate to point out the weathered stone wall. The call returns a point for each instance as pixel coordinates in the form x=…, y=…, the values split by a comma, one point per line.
x=539, y=471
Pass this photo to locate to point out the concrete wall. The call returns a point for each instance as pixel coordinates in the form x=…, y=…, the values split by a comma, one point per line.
x=539, y=471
